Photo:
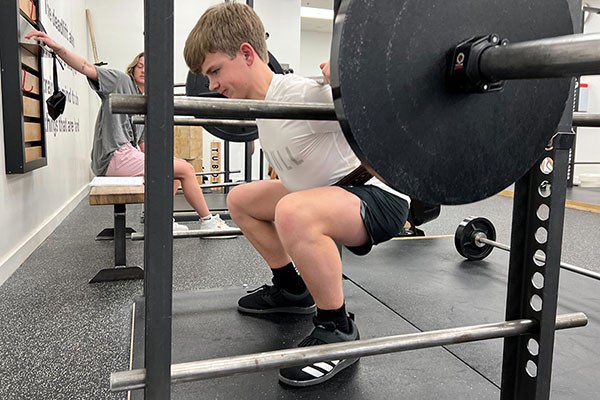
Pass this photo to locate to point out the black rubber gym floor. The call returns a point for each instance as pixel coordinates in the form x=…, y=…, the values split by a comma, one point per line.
x=403, y=286
x=60, y=337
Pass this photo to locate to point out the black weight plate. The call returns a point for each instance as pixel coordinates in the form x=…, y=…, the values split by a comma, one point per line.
x=389, y=64
x=464, y=239
x=197, y=85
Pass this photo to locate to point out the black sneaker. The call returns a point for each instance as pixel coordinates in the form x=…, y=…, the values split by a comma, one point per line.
x=319, y=372
x=269, y=299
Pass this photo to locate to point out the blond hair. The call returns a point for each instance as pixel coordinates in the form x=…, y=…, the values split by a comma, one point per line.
x=223, y=29
x=133, y=63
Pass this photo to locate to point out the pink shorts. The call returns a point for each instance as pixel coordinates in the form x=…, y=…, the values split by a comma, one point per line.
x=126, y=161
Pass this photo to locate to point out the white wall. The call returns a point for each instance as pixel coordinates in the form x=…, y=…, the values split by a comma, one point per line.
x=315, y=48
x=588, y=139
x=282, y=21
x=34, y=203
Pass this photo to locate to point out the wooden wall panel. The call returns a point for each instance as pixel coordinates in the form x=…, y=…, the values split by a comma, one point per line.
x=32, y=153
x=181, y=144
x=29, y=59
x=32, y=132
x=188, y=145
x=31, y=83
x=31, y=107
x=28, y=9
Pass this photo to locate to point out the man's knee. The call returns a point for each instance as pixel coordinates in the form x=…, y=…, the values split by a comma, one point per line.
x=292, y=216
x=236, y=198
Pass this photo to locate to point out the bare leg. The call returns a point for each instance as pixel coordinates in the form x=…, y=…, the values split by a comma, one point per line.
x=252, y=208
x=184, y=172
x=309, y=223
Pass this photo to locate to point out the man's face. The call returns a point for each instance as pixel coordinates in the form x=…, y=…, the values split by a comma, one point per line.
x=227, y=76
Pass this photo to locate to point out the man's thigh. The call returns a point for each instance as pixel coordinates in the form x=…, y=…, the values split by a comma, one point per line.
x=257, y=199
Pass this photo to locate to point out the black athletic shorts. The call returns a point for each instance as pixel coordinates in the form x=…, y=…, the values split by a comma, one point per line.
x=383, y=214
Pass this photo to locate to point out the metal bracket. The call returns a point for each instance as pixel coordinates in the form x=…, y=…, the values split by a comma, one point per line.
x=464, y=74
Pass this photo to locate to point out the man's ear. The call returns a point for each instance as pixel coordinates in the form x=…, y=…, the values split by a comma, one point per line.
x=248, y=53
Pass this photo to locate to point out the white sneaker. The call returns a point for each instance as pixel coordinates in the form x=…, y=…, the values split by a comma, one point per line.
x=215, y=224
x=179, y=227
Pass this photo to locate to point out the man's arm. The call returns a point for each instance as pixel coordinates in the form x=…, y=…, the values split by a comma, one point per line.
x=325, y=71
x=77, y=62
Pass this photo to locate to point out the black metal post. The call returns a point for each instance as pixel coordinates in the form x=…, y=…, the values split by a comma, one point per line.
x=336, y=7
x=578, y=17
x=261, y=165
x=537, y=226
x=119, y=235
x=226, y=162
x=158, y=225
x=248, y=161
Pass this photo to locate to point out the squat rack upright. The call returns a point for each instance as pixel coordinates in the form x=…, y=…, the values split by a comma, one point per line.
x=525, y=373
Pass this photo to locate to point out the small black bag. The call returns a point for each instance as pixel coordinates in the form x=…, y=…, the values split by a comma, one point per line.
x=57, y=102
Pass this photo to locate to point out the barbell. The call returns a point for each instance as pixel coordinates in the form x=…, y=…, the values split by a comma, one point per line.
x=219, y=367
x=586, y=120
x=475, y=238
x=408, y=84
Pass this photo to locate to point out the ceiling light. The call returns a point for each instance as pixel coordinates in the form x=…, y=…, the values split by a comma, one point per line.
x=318, y=13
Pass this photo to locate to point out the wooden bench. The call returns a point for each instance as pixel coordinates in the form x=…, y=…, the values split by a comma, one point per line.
x=118, y=197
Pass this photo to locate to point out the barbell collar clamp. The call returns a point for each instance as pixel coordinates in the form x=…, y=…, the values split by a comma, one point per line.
x=478, y=238
x=482, y=64
x=464, y=74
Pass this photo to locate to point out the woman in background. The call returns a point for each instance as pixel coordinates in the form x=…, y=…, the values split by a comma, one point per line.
x=118, y=147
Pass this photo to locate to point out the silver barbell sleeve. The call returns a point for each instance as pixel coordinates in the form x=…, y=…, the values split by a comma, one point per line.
x=585, y=119
x=213, y=368
x=562, y=56
x=227, y=108
x=569, y=267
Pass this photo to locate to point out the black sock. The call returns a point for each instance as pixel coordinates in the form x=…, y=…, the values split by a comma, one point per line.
x=287, y=278
x=339, y=317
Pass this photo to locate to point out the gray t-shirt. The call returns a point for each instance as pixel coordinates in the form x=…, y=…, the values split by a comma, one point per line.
x=112, y=130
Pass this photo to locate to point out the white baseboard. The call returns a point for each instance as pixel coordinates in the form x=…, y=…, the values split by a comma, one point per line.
x=10, y=263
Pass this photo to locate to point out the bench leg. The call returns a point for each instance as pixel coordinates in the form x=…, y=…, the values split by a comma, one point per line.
x=118, y=274
x=120, y=271
x=120, y=244
x=109, y=233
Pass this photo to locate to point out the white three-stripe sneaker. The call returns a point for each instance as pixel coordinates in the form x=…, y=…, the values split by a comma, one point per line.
x=324, y=333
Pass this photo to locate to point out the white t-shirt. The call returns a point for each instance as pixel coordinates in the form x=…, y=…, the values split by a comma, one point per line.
x=307, y=154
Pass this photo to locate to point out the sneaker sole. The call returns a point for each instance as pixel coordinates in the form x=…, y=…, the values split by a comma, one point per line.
x=337, y=369
x=219, y=237
x=279, y=310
